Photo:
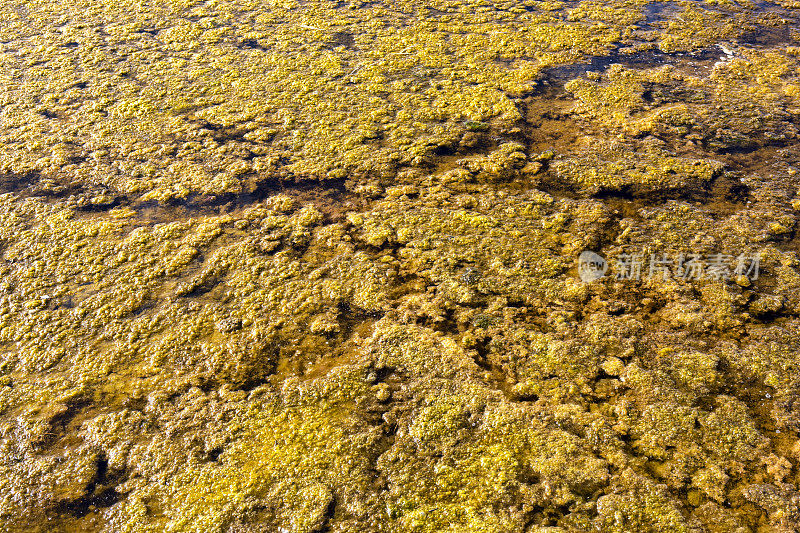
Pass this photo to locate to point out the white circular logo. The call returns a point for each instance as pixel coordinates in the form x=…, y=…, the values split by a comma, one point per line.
x=591, y=266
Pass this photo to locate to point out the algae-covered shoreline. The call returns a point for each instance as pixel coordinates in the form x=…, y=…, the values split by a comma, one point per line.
x=311, y=266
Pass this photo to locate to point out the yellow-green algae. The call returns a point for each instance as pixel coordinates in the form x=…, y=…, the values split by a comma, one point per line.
x=429, y=361
x=177, y=99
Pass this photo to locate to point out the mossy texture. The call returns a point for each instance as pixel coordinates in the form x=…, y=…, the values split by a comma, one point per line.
x=311, y=267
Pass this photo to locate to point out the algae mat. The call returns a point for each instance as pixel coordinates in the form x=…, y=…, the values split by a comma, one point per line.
x=466, y=266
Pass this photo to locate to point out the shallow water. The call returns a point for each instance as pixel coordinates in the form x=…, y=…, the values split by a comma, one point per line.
x=314, y=266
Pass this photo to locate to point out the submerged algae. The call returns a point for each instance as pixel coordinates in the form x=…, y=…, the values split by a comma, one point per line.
x=509, y=424
x=181, y=101
x=169, y=104
x=430, y=361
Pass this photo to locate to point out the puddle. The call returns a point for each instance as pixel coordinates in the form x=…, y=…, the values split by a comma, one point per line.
x=769, y=36
x=699, y=62
x=659, y=11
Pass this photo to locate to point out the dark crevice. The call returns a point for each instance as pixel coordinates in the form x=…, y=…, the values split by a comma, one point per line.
x=444, y=324
x=213, y=455
x=17, y=183
x=100, y=492
x=253, y=45
x=343, y=38
x=329, y=196
x=327, y=516
x=557, y=76
x=59, y=423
